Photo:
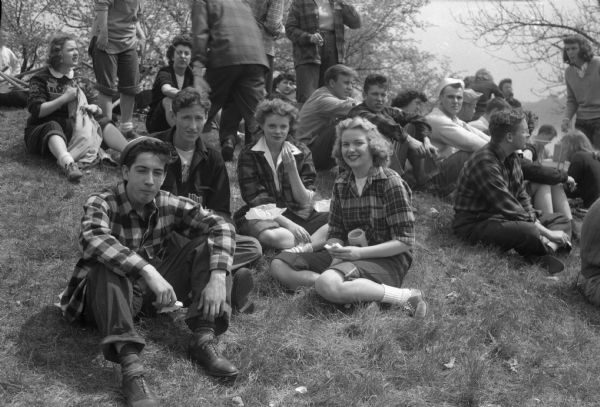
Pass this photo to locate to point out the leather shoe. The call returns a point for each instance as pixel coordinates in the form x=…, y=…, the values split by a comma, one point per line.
x=137, y=393
x=227, y=150
x=203, y=350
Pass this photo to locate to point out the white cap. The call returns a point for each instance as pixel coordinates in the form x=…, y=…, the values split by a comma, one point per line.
x=447, y=82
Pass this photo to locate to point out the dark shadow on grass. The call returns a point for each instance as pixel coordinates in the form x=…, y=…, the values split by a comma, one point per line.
x=65, y=352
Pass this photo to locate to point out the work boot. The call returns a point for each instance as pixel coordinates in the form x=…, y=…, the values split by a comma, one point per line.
x=72, y=172
x=203, y=350
x=227, y=150
x=136, y=392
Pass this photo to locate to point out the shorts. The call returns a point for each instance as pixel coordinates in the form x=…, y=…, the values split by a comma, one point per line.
x=384, y=270
x=109, y=67
x=36, y=137
x=311, y=224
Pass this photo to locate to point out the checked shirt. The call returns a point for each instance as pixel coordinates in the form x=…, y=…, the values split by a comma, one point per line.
x=491, y=184
x=115, y=235
x=383, y=210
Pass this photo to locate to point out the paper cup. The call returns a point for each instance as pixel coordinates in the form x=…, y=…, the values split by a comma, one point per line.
x=357, y=237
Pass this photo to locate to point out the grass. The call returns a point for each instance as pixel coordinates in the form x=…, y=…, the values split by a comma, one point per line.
x=516, y=337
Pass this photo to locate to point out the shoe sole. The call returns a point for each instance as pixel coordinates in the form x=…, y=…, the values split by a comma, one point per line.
x=551, y=264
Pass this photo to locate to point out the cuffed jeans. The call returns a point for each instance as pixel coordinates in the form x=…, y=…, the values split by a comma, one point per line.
x=112, y=300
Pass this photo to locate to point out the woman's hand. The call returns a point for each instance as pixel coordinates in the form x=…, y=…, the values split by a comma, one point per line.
x=300, y=234
x=288, y=159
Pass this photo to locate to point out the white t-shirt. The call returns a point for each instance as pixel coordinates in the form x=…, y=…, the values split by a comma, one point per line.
x=186, y=162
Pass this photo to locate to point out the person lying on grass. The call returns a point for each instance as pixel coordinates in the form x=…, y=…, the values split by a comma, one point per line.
x=49, y=127
x=367, y=196
x=278, y=170
x=492, y=205
x=142, y=250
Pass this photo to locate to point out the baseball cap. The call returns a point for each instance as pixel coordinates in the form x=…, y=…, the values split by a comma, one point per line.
x=471, y=96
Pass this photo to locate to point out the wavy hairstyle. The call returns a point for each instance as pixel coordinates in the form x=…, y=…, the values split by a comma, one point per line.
x=278, y=107
x=57, y=42
x=575, y=141
x=184, y=40
x=585, y=49
x=379, y=147
x=503, y=122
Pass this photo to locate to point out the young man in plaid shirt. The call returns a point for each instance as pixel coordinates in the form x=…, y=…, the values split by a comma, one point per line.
x=142, y=250
x=492, y=206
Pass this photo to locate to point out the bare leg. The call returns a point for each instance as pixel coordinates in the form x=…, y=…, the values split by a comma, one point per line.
x=105, y=103
x=277, y=238
x=560, y=203
x=127, y=104
x=331, y=286
x=319, y=238
x=542, y=197
x=292, y=279
x=113, y=137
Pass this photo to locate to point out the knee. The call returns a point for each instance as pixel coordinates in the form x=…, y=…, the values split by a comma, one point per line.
x=278, y=269
x=329, y=288
x=278, y=238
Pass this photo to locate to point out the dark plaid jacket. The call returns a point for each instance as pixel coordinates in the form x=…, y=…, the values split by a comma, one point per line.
x=303, y=20
x=257, y=185
x=115, y=235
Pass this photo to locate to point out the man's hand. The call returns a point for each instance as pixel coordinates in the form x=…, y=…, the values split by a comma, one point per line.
x=349, y=253
x=165, y=295
x=416, y=146
x=559, y=237
x=102, y=40
x=432, y=150
x=213, y=299
x=317, y=39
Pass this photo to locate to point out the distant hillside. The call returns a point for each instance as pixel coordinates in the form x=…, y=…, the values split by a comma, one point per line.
x=549, y=110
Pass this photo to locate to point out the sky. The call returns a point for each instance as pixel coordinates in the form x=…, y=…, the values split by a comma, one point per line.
x=445, y=37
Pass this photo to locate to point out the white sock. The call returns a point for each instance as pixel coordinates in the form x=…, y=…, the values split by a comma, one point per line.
x=125, y=127
x=393, y=295
x=65, y=159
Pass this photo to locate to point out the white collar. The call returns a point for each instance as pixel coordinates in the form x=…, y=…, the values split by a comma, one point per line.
x=59, y=75
x=261, y=145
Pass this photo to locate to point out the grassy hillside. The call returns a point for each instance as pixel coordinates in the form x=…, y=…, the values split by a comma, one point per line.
x=500, y=332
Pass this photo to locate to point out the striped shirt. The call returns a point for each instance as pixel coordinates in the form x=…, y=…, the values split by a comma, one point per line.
x=116, y=236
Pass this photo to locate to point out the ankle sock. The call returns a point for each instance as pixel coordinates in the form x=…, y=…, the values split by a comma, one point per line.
x=394, y=295
x=65, y=159
x=125, y=127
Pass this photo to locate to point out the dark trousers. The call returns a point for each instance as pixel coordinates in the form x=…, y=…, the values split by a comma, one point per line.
x=322, y=147
x=242, y=84
x=446, y=178
x=311, y=76
x=591, y=128
x=524, y=237
x=112, y=301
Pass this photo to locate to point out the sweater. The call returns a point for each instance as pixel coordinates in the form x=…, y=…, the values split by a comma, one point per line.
x=583, y=94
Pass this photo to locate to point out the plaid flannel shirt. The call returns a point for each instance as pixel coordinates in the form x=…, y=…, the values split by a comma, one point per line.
x=224, y=33
x=115, y=235
x=269, y=16
x=303, y=20
x=257, y=184
x=391, y=121
x=383, y=210
x=491, y=184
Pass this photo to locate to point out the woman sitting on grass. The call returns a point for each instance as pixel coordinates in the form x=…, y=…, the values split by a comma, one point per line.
x=370, y=197
x=49, y=127
x=278, y=170
x=584, y=166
